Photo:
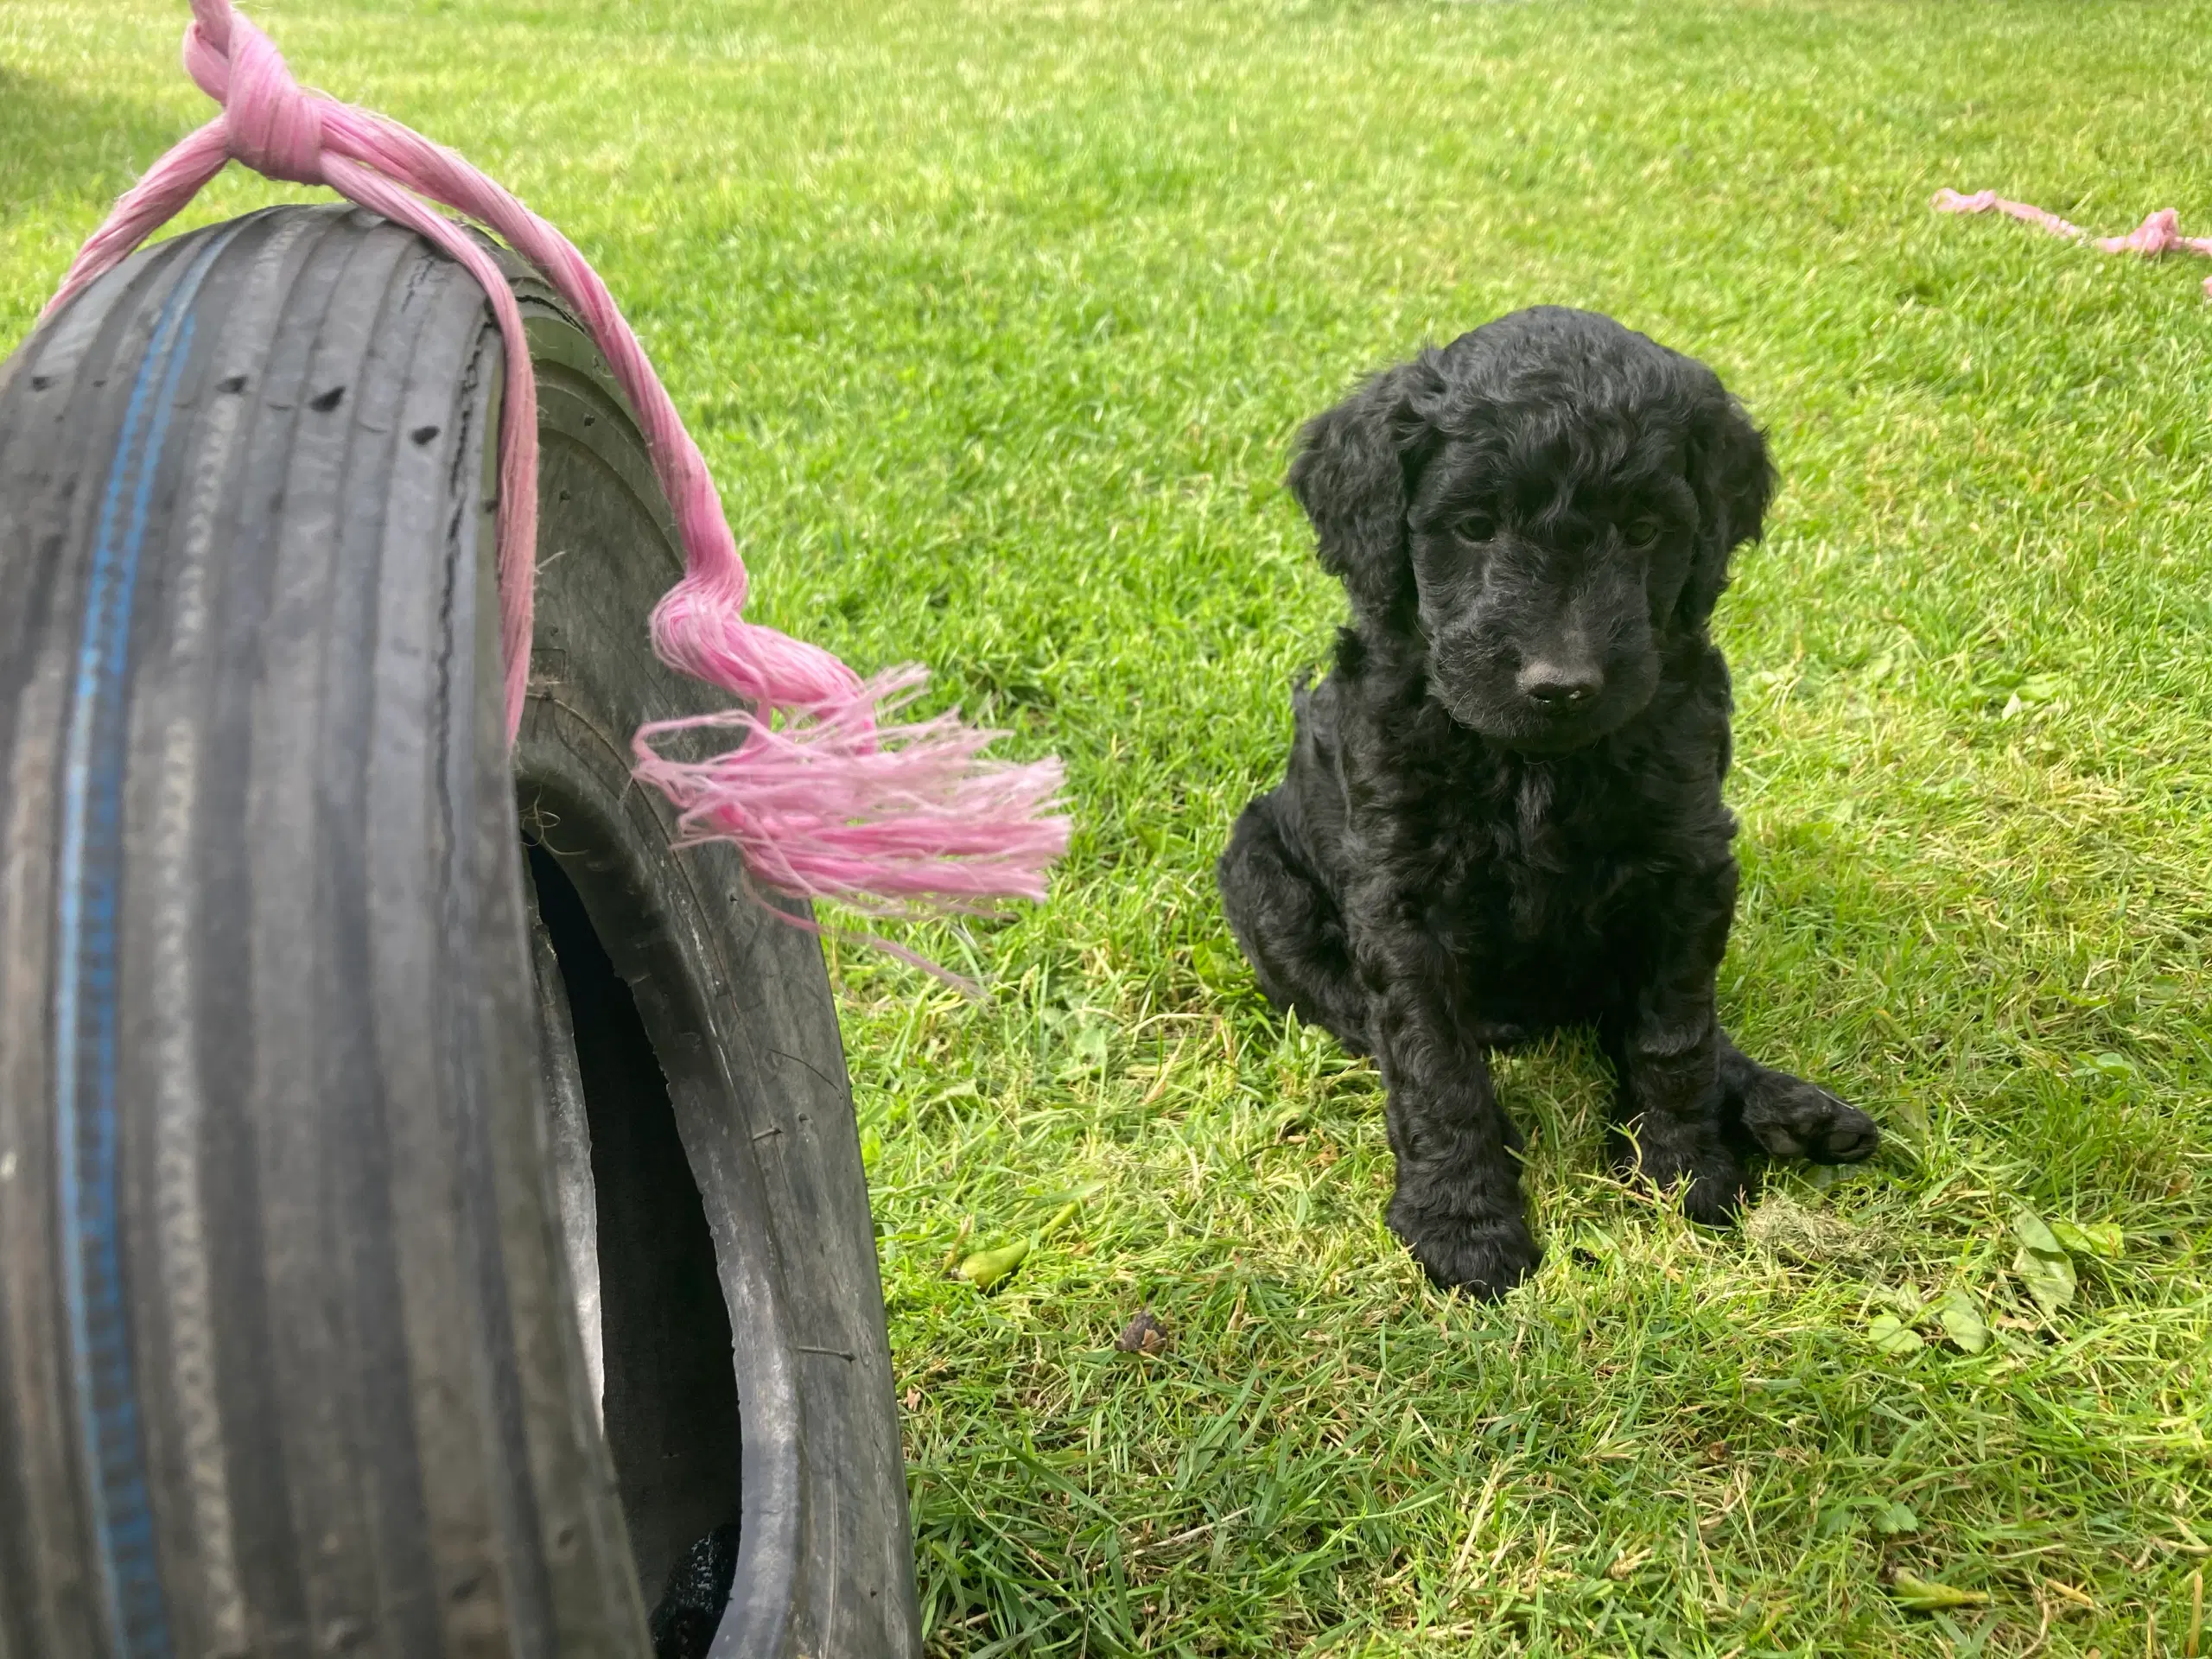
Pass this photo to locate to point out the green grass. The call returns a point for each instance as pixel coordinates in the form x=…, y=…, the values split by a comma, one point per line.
x=995, y=321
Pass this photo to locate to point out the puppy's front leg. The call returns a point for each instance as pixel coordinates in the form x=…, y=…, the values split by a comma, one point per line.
x=1666, y=1050
x=1457, y=1206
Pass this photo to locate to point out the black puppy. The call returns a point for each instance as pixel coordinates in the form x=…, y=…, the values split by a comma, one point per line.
x=1502, y=814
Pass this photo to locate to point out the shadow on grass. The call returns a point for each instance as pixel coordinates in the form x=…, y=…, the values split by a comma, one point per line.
x=55, y=143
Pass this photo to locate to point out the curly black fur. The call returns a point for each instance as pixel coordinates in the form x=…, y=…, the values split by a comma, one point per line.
x=1502, y=814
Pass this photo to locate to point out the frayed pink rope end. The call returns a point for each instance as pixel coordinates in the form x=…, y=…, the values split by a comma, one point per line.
x=822, y=802
x=2159, y=233
x=902, y=812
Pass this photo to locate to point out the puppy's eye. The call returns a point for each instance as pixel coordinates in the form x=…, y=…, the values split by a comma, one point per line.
x=1644, y=532
x=1476, y=527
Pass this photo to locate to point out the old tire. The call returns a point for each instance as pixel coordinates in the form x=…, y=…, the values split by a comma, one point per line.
x=289, y=1362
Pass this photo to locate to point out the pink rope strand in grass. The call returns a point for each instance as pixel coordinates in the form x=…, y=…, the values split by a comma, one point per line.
x=2159, y=233
x=825, y=803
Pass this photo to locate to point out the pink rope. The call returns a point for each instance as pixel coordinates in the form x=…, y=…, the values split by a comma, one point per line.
x=824, y=803
x=2159, y=233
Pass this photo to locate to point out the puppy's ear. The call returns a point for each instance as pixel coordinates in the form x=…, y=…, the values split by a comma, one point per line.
x=1352, y=475
x=1734, y=480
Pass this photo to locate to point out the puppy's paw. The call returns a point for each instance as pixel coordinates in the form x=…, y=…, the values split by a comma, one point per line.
x=1717, y=1191
x=1791, y=1118
x=1485, y=1259
x=1712, y=1180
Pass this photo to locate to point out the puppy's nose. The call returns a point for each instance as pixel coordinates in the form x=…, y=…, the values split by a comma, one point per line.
x=1559, y=688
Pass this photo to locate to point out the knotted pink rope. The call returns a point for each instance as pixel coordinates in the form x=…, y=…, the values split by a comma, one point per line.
x=2158, y=234
x=828, y=803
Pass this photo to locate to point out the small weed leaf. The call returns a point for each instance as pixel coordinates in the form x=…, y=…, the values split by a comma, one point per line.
x=1088, y=1035
x=2043, y=1264
x=1886, y=1516
x=1924, y=1597
x=2032, y=1231
x=2050, y=1279
x=2101, y=1238
x=1894, y=1518
x=1962, y=1321
x=2108, y=1073
x=1893, y=1336
x=2036, y=691
x=1217, y=964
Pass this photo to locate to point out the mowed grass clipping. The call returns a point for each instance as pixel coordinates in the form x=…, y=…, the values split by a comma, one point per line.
x=995, y=321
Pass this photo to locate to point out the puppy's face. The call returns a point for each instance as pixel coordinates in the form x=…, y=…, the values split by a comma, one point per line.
x=1541, y=507
x=1544, y=572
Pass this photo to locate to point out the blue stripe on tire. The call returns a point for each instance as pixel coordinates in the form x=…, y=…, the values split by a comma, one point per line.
x=87, y=983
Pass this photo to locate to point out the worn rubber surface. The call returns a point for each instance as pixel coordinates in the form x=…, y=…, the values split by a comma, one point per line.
x=288, y=1357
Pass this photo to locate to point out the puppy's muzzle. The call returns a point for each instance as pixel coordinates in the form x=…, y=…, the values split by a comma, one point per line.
x=1559, y=688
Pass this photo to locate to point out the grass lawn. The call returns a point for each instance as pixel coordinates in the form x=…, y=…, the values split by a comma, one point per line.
x=995, y=321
